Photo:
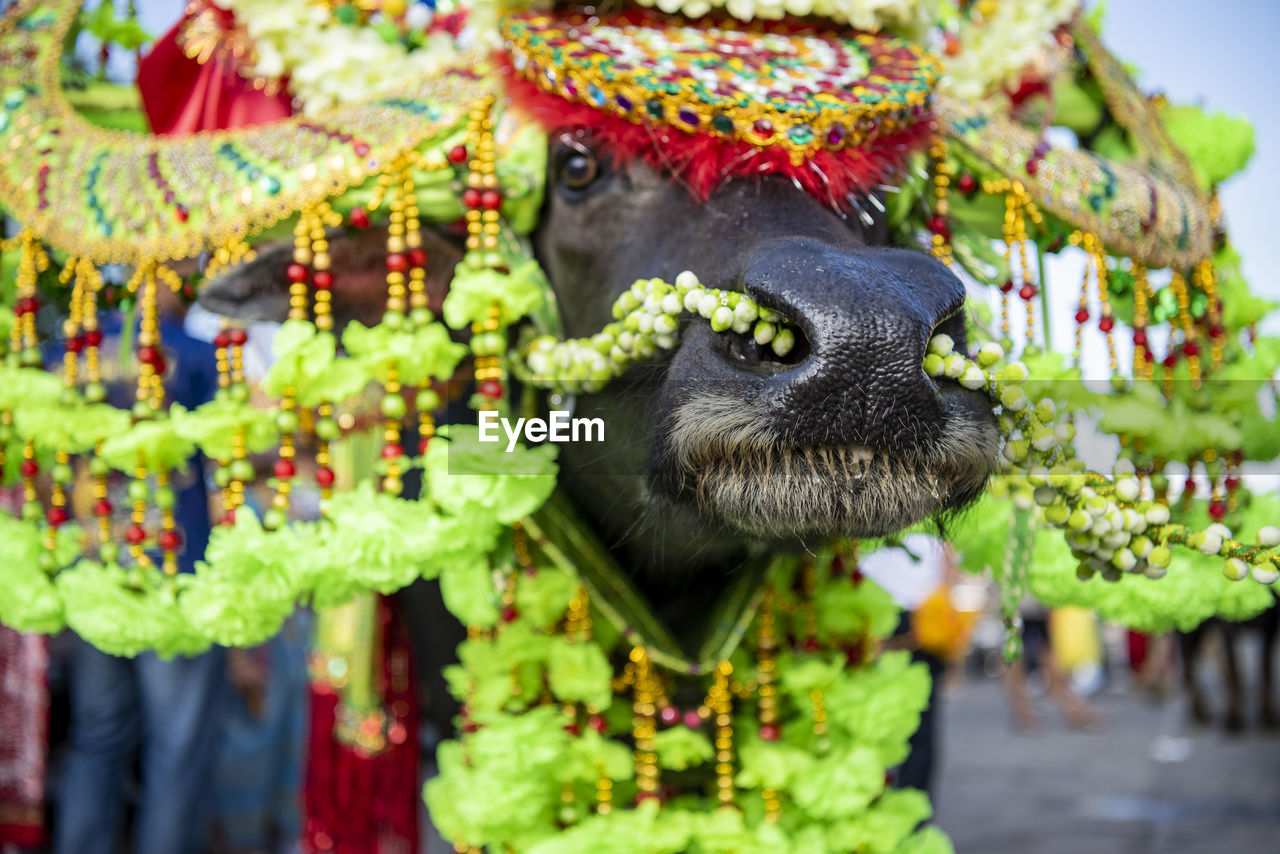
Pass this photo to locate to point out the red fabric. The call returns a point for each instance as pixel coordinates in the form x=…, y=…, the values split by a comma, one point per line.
x=366, y=804
x=703, y=162
x=1138, y=643
x=24, y=735
x=181, y=96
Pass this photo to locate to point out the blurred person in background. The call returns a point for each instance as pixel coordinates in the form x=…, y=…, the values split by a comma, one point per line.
x=1038, y=652
x=166, y=710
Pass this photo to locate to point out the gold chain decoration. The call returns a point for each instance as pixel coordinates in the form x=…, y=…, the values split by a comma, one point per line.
x=1143, y=362
x=643, y=727
x=939, y=222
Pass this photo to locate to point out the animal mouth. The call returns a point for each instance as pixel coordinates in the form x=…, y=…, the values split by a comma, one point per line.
x=750, y=478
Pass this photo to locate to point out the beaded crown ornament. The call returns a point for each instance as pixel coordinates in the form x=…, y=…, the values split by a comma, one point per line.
x=585, y=721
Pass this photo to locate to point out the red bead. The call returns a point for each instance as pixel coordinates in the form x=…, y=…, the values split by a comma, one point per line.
x=572, y=728
x=1082, y=316
x=692, y=719
x=967, y=183
x=181, y=213
x=228, y=518
x=1217, y=509
x=423, y=444
x=1215, y=331
x=29, y=468
x=1190, y=348
x=359, y=217
x=938, y=225
x=325, y=476
x=471, y=197
x=491, y=389
x=491, y=200
x=856, y=576
x=284, y=469
x=770, y=732
x=811, y=645
x=135, y=534
x=1170, y=360
x=1232, y=483
x=148, y=355
x=1140, y=337
x=102, y=508
x=1032, y=166
x=596, y=722
x=641, y=797
x=296, y=273
x=392, y=450
x=93, y=338
x=1106, y=324
x=1189, y=486
x=509, y=614
x=1006, y=286
x=458, y=154
x=417, y=257
x=669, y=715
x=361, y=149
x=75, y=344
x=169, y=540
x=57, y=516
x=1027, y=292
x=222, y=340
x=323, y=280
x=396, y=263
x=238, y=336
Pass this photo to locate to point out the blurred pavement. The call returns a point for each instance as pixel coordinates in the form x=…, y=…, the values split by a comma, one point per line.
x=1150, y=783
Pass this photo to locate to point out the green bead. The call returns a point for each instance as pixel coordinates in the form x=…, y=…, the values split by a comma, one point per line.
x=95, y=392
x=239, y=392
x=31, y=357
x=428, y=400
x=48, y=561
x=98, y=467
x=393, y=319
x=109, y=552
x=421, y=316
x=6, y=434
x=393, y=406
x=287, y=422
x=63, y=473
x=274, y=518
x=32, y=511
x=138, y=490
x=142, y=410
x=68, y=397
x=392, y=485
x=327, y=429
x=493, y=259
x=222, y=477
x=164, y=497
x=241, y=470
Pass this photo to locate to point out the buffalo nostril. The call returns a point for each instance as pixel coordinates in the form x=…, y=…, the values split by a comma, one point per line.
x=744, y=350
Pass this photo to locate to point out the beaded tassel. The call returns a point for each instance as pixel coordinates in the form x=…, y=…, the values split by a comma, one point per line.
x=1106, y=322
x=1143, y=363
x=1190, y=348
x=720, y=700
x=483, y=200
x=643, y=727
x=1207, y=280
x=326, y=428
x=766, y=650
x=940, y=239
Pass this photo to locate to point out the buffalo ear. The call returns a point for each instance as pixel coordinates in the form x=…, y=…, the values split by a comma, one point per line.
x=258, y=290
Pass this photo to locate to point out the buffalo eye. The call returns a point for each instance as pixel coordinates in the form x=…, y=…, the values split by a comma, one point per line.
x=578, y=170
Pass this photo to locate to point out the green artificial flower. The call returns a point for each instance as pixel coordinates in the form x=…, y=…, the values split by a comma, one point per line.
x=466, y=477
x=770, y=764
x=841, y=784
x=855, y=610
x=473, y=292
x=643, y=830
x=543, y=597
x=579, y=672
x=885, y=825
x=124, y=612
x=419, y=354
x=927, y=840
x=29, y=601
x=28, y=387
x=1217, y=145
x=679, y=748
x=153, y=443
x=213, y=426
x=306, y=361
x=725, y=831
x=592, y=756
x=881, y=704
x=72, y=428
x=246, y=586
x=470, y=593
